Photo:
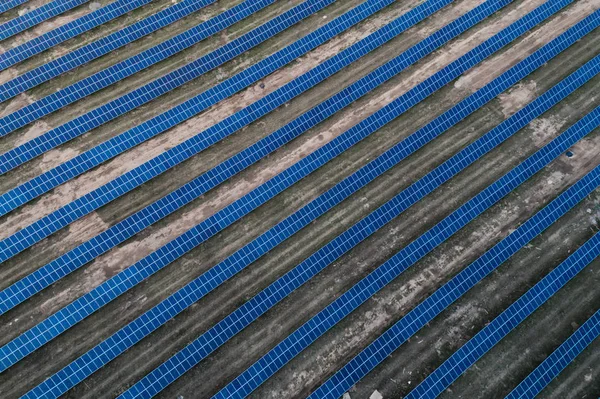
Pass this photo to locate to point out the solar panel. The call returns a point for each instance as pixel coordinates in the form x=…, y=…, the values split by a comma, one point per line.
x=50, y=273
x=34, y=17
x=10, y=4
x=117, y=187
x=368, y=286
x=105, y=45
x=172, y=117
x=147, y=92
x=151, y=320
x=427, y=310
x=196, y=188
x=72, y=29
x=569, y=350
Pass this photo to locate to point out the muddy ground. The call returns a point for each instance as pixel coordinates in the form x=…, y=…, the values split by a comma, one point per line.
x=493, y=376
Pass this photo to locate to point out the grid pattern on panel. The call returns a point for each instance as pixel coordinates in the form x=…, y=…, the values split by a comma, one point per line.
x=188, y=109
x=39, y=15
x=569, y=350
x=139, y=96
x=493, y=333
x=236, y=321
x=200, y=185
x=104, y=46
x=353, y=298
x=50, y=273
x=117, y=187
x=189, y=294
x=10, y=4
x=70, y=30
x=383, y=346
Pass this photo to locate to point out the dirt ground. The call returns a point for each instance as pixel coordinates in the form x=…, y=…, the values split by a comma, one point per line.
x=492, y=376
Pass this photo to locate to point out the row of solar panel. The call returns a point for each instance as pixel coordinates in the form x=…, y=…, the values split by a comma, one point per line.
x=95, y=49
x=117, y=187
x=119, y=71
x=120, y=232
x=10, y=4
x=456, y=287
x=39, y=15
x=104, y=351
x=79, y=26
x=408, y=256
x=207, y=181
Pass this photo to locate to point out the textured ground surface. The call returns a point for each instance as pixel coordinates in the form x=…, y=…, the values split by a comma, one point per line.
x=493, y=376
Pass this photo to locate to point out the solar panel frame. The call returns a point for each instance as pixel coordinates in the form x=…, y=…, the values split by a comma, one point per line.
x=186, y=195
x=67, y=263
x=90, y=21
x=126, y=182
x=10, y=4
x=300, y=339
x=37, y=16
x=436, y=303
x=551, y=367
x=99, y=48
x=133, y=99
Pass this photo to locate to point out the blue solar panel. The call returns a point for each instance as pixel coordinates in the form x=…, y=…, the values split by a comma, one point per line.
x=107, y=44
x=570, y=349
x=40, y=14
x=470, y=352
x=10, y=4
x=368, y=286
x=210, y=179
x=164, y=311
x=117, y=187
x=50, y=273
x=144, y=94
x=383, y=346
x=74, y=28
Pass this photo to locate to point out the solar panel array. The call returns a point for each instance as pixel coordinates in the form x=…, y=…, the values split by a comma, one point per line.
x=126, y=182
x=501, y=326
x=37, y=16
x=368, y=286
x=569, y=350
x=70, y=30
x=10, y=4
x=120, y=232
x=95, y=362
x=186, y=194
x=143, y=94
x=185, y=359
x=180, y=245
x=101, y=47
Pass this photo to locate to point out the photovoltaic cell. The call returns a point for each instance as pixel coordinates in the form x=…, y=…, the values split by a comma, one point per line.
x=50, y=273
x=220, y=333
x=104, y=46
x=146, y=319
x=569, y=350
x=34, y=17
x=117, y=187
x=180, y=113
x=234, y=164
x=426, y=311
x=10, y=4
x=375, y=281
x=143, y=94
x=77, y=27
